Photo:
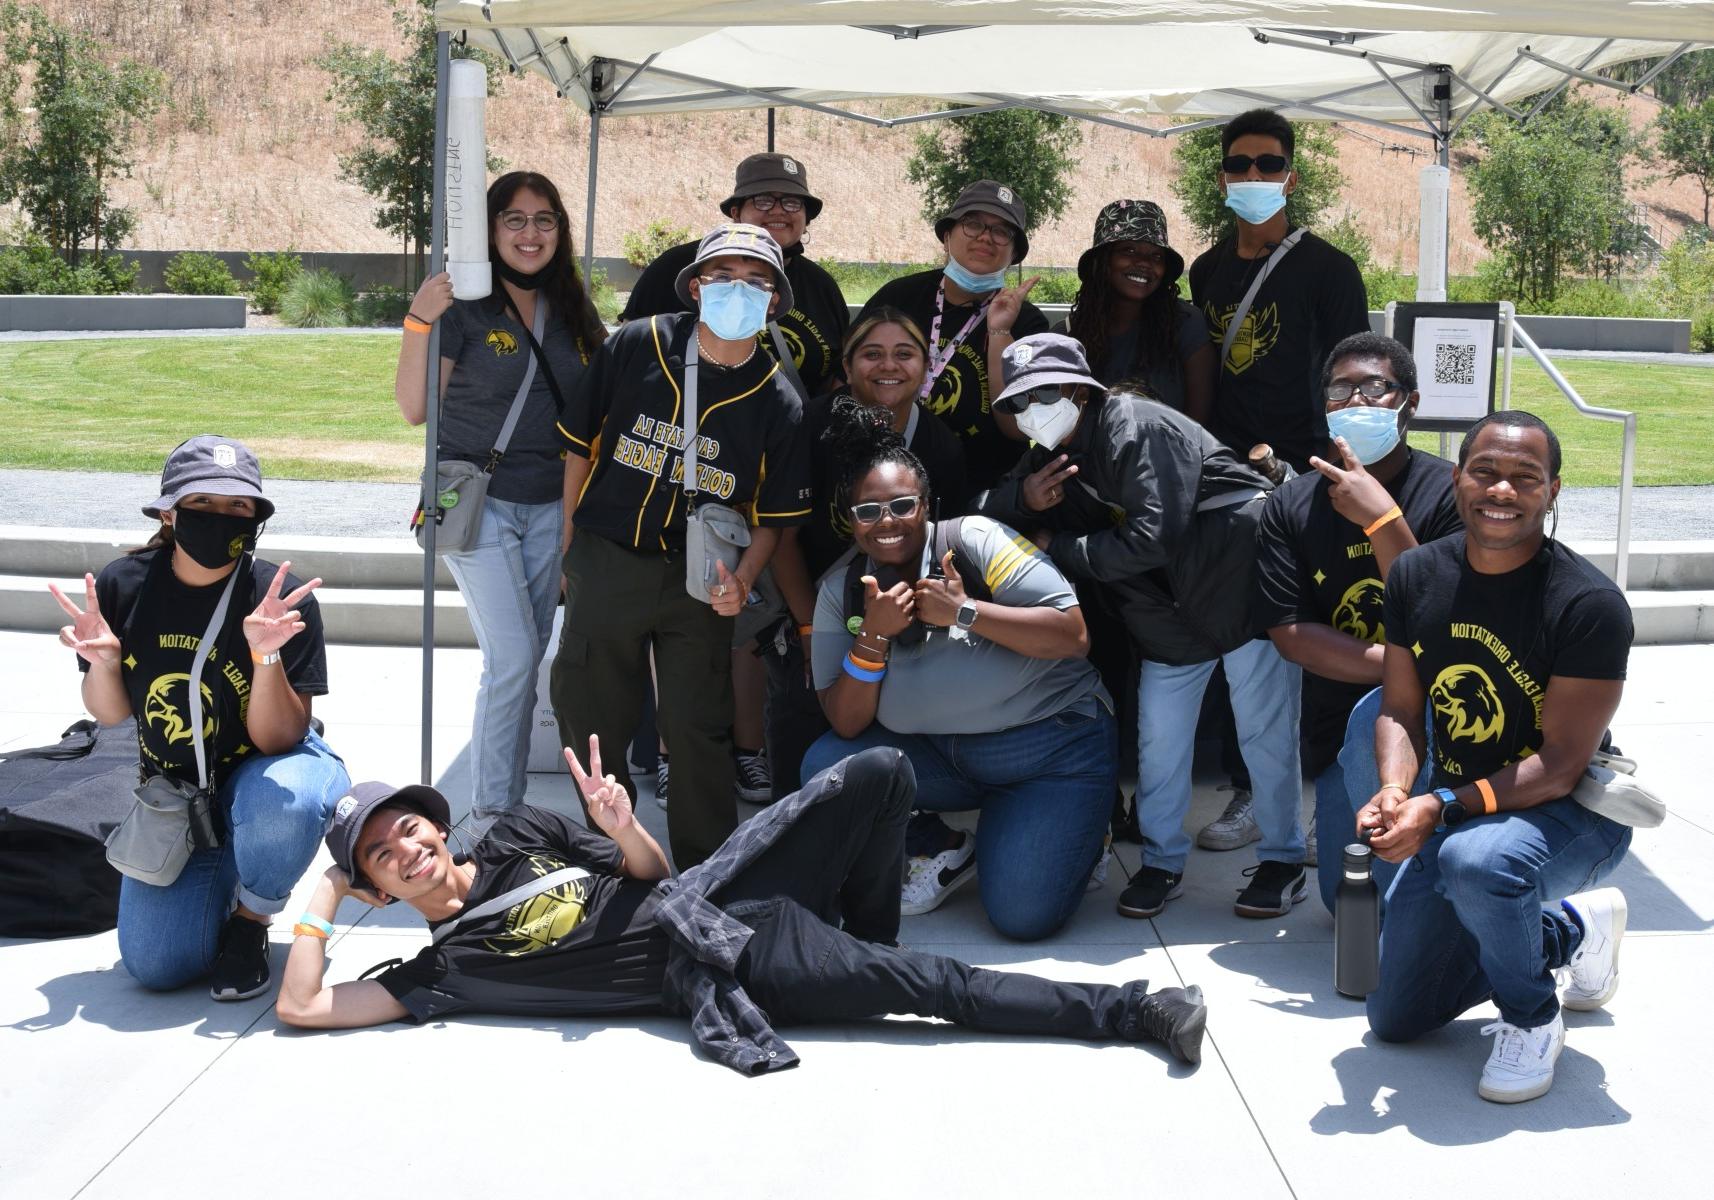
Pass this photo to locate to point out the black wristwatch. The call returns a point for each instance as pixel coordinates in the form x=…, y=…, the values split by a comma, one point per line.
x=967, y=614
x=1452, y=810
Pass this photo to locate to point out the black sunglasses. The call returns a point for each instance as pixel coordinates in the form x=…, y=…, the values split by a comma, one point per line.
x=1239, y=164
x=869, y=512
x=1014, y=404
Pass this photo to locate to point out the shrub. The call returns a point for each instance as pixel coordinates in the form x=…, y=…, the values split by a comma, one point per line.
x=643, y=246
x=601, y=293
x=113, y=272
x=1702, y=331
x=273, y=272
x=386, y=305
x=1685, y=284
x=317, y=299
x=192, y=274
x=1599, y=298
x=31, y=268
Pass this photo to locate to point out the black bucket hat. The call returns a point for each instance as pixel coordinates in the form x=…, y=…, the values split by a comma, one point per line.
x=763, y=173
x=997, y=200
x=214, y=466
x=356, y=807
x=1131, y=221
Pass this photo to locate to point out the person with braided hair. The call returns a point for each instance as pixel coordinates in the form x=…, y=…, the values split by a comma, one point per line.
x=962, y=645
x=1129, y=316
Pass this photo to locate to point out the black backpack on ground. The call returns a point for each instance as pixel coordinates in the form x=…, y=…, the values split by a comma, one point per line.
x=57, y=805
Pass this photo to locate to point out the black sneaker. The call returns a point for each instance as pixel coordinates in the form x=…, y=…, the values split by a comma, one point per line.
x=1149, y=890
x=1274, y=888
x=241, y=963
x=1175, y=1017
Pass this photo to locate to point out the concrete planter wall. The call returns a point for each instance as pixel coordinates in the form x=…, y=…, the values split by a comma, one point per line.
x=121, y=312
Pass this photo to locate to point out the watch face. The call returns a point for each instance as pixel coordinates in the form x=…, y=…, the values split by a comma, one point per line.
x=967, y=614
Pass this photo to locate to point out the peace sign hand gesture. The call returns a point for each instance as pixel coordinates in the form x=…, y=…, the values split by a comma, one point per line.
x=1045, y=488
x=1007, y=303
x=609, y=803
x=1356, y=495
x=88, y=633
x=277, y=620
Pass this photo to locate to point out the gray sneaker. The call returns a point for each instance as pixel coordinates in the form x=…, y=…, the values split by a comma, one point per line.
x=1235, y=827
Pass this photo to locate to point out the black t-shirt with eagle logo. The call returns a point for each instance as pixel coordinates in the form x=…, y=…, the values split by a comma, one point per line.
x=814, y=329
x=587, y=945
x=160, y=622
x=963, y=395
x=1485, y=646
x=1315, y=567
x=1269, y=387
x=490, y=352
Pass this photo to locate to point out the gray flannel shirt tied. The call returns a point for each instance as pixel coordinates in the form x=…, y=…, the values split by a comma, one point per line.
x=707, y=942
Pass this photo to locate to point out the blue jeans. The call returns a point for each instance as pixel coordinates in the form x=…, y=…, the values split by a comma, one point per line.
x=1350, y=782
x=277, y=810
x=510, y=584
x=1266, y=698
x=1045, y=791
x=1476, y=914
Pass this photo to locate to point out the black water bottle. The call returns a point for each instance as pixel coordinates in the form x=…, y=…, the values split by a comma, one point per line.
x=1357, y=926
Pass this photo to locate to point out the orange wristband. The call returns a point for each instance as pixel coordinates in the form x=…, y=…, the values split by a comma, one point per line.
x=1486, y=791
x=302, y=930
x=1392, y=514
x=416, y=326
x=868, y=664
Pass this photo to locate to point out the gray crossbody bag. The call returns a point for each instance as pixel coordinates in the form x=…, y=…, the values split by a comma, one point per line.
x=172, y=818
x=714, y=534
x=461, y=488
x=1243, y=309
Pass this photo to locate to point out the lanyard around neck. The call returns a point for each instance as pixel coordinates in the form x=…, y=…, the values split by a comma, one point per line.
x=936, y=361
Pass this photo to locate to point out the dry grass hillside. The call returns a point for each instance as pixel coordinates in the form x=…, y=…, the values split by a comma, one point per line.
x=245, y=154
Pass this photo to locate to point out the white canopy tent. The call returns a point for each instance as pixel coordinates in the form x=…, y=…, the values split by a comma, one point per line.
x=1416, y=69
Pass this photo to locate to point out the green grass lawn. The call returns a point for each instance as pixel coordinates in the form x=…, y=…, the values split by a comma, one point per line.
x=321, y=407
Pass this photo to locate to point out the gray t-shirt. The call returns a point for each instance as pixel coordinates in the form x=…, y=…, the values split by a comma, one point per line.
x=951, y=684
x=1166, y=379
x=490, y=353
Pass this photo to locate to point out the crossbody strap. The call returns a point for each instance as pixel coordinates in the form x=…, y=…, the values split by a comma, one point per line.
x=202, y=649
x=688, y=454
x=1243, y=309
x=547, y=367
x=783, y=352
x=524, y=891
x=517, y=409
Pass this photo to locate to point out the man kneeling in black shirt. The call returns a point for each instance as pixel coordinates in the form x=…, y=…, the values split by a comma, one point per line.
x=545, y=917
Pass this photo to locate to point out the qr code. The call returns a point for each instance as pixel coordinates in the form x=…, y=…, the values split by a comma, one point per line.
x=1455, y=364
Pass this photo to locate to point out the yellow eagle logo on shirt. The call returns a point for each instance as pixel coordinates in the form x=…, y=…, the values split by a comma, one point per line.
x=1359, y=612
x=1467, y=698
x=501, y=342
x=1256, y=336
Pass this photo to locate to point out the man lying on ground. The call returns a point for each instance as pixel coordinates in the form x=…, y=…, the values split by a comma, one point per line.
x=544, y=917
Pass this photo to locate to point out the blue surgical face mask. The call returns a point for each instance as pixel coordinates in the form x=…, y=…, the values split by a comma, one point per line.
x=1255, y=200
x=735, y=310
x=957, y=273
x=1370, y=432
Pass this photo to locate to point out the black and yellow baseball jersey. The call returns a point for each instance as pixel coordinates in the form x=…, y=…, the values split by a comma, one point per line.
x=627, y=417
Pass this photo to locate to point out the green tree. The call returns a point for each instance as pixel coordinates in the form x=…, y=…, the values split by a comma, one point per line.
x=1689, y=80
x=1028, y=151
x=1197, y=157
x=60, y=156
x=392, y=100
x=1684, y=138
x=1550, y=195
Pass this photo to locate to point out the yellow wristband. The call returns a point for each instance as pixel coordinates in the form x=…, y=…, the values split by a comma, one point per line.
x=1392, y=514
x=1489, y=803
x=302, y=930
x=416, y=326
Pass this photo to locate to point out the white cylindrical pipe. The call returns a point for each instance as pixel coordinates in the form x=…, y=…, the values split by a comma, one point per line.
x=1434, y=185
x=466, y=181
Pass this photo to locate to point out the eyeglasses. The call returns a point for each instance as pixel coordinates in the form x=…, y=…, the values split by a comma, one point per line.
x=1372, y=388
x=1239, y=164
x=869, y=512
x=514, y=220
x=765, y=203
x=761, y=285
x=1000, y=233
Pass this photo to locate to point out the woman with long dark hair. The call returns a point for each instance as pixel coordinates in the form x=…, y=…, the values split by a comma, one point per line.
x=1130, y=318
x=139, y=641
x=510, y=577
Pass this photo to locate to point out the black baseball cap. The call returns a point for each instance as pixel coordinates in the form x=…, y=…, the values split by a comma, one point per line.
x=214, y=466
x=359, y=804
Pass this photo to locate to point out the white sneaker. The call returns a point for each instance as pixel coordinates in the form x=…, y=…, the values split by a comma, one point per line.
x=1595, y=966
x=1233, y=828
x=929, y=881
x=1310, y=858
x=1098, y=877
x=1521, y=1065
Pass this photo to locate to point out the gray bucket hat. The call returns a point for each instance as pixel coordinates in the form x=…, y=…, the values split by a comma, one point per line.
x=1037, y=361
x=214, y=466
x=762, y=173
x=356, y=807
x=1131, y=221
x=997, y=200
x=745, y=241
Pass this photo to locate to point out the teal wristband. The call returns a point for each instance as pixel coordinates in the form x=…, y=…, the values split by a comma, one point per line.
x=316, y=922
x=861, y=673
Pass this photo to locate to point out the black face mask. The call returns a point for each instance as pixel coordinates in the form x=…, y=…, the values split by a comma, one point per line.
x=214, y=540
x=517, y=278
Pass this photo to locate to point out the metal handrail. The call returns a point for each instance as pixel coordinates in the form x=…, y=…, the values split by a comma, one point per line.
x=1627, y=453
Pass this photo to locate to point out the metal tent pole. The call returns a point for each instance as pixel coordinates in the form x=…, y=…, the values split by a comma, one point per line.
x=770, y=131
x=589, y=196
x=431, y=407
